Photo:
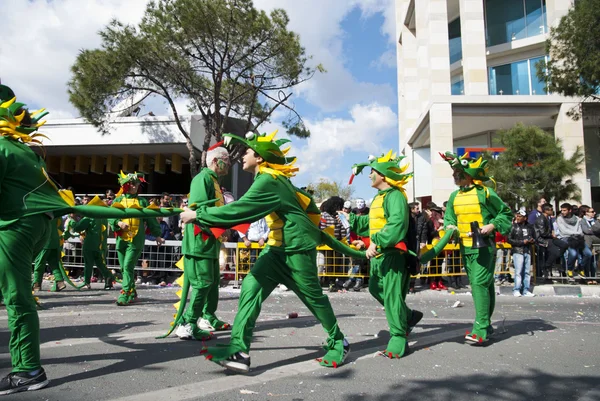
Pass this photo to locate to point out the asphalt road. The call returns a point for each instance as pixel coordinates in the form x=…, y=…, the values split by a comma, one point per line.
x=546, y=348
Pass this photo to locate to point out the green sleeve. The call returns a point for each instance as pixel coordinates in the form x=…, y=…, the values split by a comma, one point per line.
x=81, y=225
x=449, y=215
x=395, y=208
x=501, y=216
x=359, y=224
x=152, y=223
x=261, y=199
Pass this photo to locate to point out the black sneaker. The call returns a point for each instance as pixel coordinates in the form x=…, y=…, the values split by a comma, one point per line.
x=237, y=362
x=346, y=350
x=415, y=318
x=23, y=381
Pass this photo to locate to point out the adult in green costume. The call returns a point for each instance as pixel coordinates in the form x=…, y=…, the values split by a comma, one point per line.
x=94, y=249
x=51, y=255
x=290, y=256
x=131, y=233
x=387, y=227
x=29, y=201
x=474, y=202
x=201, y=254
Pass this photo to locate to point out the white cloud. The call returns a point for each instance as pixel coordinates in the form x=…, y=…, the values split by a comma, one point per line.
x=386, y=60
x=332, y=138
x=322, y=36
x=42, y=39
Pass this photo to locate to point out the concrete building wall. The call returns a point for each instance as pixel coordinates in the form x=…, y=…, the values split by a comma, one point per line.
x=428, y=119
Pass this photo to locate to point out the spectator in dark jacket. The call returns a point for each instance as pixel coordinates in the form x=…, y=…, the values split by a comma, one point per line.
x=590, y=226
x=549, y=247
x=537, y=212
x=521, y=238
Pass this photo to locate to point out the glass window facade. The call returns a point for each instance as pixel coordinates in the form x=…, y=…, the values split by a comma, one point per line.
x=518, y=78
x=454, y=38
x=458, y=85
x=508, y=20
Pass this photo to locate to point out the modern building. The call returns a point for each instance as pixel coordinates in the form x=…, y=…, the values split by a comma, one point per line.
x=78, y=155
x=466, y=69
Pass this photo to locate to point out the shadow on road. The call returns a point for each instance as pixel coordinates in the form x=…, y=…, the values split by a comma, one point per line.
x=533, y=385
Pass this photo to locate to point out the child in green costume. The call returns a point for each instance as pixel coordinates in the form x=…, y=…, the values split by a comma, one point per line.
x=474, y=202
x=290, y=256
x=94, y=249
x=387, y=227
x=131, y=233
x=201, y=255
x=51, y=254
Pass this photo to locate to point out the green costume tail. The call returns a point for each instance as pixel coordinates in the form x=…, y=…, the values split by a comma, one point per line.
x=427, y=256
x=66, y=277
x=340, y=247
x=184, y=295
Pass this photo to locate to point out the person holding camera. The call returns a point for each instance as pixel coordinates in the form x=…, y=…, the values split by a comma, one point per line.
x=521, y=238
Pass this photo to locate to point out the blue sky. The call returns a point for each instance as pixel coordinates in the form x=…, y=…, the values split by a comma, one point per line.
x=351, y=110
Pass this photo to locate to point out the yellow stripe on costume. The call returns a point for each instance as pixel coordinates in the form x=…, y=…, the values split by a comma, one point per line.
x=275, y=225
x=467, y=210
x=218, y=193
x=376, y=215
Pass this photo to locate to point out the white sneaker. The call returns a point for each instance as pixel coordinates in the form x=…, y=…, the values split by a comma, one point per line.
x=184, y=331
x=205, y=325
x=283, y=287
x=516, y=293
x=528, y=294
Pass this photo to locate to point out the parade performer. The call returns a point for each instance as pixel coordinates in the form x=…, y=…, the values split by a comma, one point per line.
x=290, y=256
x=131, y=233
x=386, y=225
x=51, y=254
x=29, y=201
x=474, y=202
x=94, y=249
x=201, y=254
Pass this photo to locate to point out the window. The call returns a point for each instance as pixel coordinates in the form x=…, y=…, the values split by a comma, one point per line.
x=518, y=78
x=537, y=87
x=508, y=20
x=458, y=85
x=454, y=38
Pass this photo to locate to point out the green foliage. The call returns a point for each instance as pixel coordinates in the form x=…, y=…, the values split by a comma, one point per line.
x=325, y=189
x=574, y=48
x=533, y=165
x=224, y=56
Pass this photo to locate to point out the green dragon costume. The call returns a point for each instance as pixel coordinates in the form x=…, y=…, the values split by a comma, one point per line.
x=479, y=203
x=94, y=249
x=201, y=264
x=289, y=258
x=29, y=202
x=51, y=254
x=387, y=227
x=130, y=241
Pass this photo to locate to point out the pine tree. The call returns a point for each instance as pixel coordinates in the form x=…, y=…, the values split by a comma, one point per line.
x=534, y=165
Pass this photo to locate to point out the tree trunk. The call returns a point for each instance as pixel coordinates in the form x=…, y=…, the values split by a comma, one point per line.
x=192, y=159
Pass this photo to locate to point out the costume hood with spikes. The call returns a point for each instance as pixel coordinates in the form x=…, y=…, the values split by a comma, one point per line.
x=127, y=180
x=390, y=166
x=476, y=169
x=276, y=160
x=16, y=122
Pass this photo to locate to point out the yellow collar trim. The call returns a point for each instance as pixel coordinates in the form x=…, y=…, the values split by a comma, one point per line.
x=399, y=185
x=286, y=170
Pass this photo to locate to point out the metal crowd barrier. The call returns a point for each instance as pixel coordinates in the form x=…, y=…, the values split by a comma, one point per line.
x=236, y=260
